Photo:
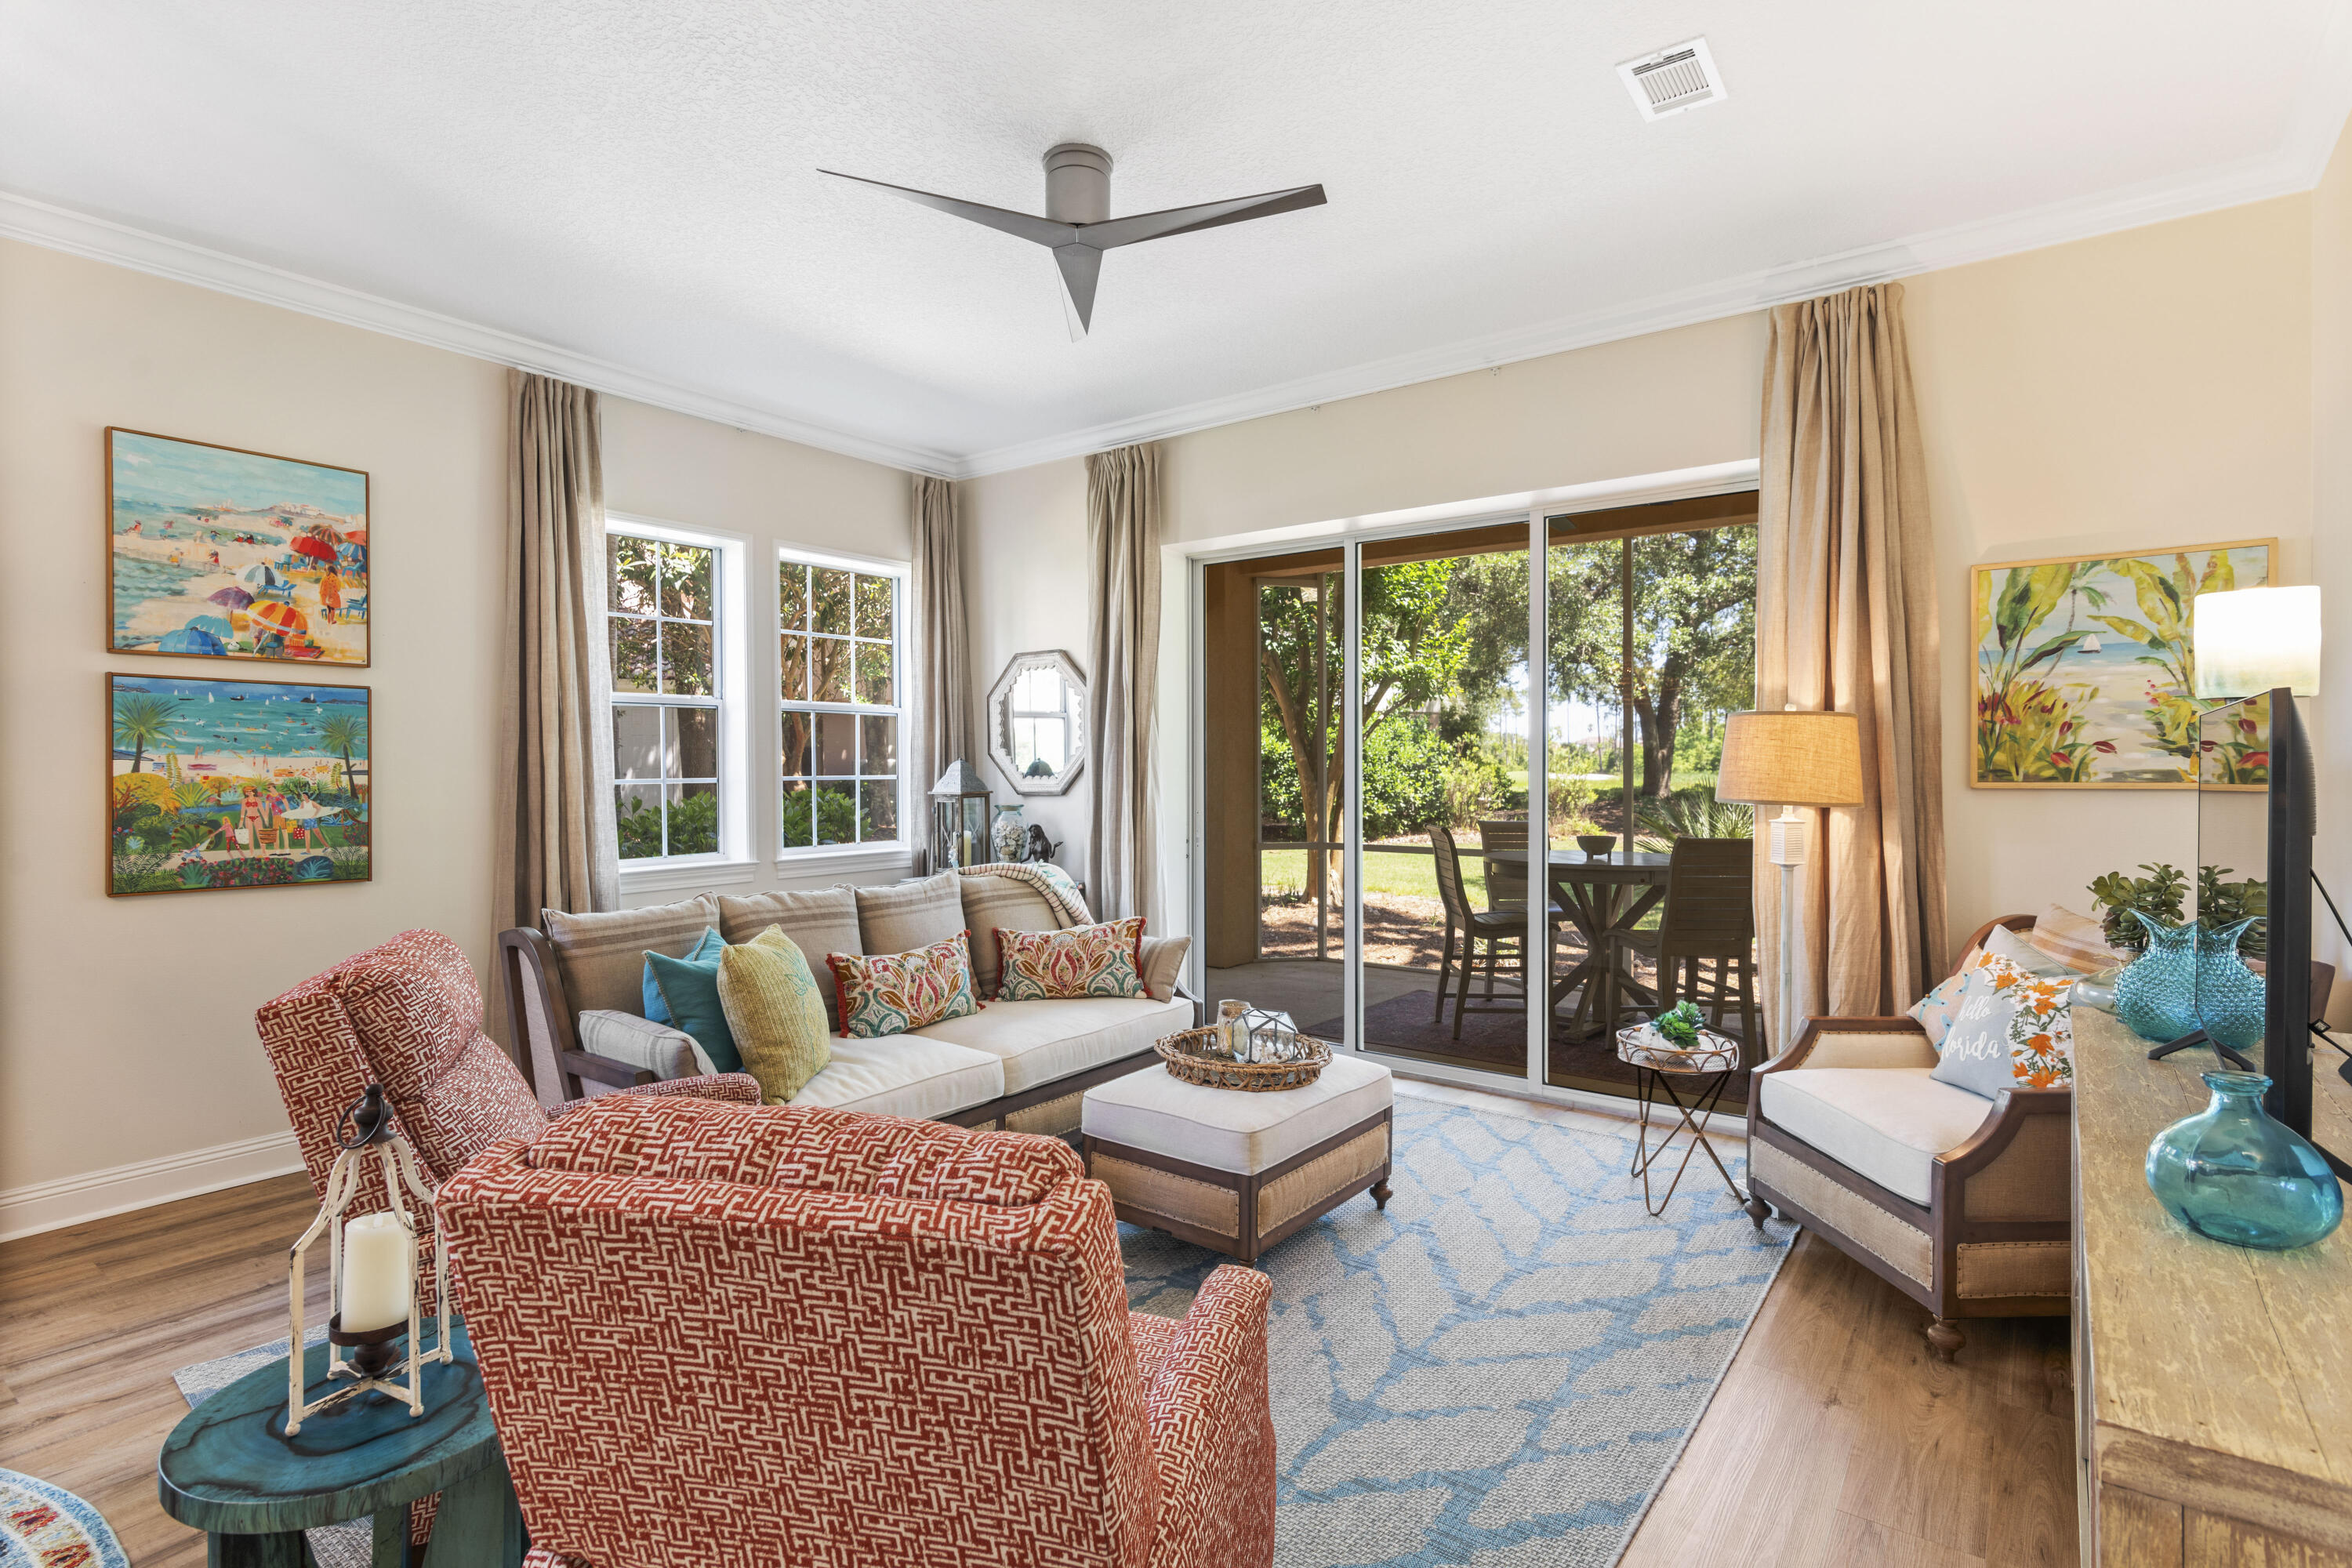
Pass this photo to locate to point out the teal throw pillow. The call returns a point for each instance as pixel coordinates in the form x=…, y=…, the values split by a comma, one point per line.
x=706, y=951
x=689, y=987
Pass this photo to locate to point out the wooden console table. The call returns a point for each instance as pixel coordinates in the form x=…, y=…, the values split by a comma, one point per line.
x=2212, y=1384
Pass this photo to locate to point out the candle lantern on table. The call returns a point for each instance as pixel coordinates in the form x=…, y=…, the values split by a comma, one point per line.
x=959, y=818
x=370, y=1270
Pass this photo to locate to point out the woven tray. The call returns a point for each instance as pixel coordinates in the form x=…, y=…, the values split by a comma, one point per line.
x=1187, y=1057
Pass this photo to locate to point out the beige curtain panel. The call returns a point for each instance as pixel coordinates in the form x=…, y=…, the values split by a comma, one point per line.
x=556, y=847
x=1122, y=675
x=944, y=731
x=1845, y=621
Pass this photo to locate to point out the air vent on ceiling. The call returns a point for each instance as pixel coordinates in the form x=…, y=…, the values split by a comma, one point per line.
x=1678, y=77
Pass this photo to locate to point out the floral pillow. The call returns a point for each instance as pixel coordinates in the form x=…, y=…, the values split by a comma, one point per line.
x=2010, y=1030
x=889, y=993
x=1104, y=960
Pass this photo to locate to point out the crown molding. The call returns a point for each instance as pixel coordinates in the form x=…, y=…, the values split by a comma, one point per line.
x=102, y=239
x=2296, y=166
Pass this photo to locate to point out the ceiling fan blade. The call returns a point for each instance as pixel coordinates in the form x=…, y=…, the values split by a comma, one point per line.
x=1141, y=227
x=1038, y=230
x=1081, y=266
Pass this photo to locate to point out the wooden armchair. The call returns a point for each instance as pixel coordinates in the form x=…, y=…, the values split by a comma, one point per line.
x=1963, y=1207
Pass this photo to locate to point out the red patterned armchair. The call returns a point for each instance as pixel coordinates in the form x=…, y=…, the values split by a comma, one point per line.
x=408, y=1014
x=794, y=1335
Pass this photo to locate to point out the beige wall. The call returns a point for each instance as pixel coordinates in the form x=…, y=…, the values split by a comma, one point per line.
x=2147, y=388
x=126, y=1024
x=2331, y=486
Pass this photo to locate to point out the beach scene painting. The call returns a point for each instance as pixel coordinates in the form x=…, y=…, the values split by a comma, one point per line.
x=2084, y=672
x=224, y=553
x=235, y=784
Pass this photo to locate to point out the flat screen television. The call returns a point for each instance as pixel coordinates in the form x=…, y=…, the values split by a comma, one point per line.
x=2257, y=812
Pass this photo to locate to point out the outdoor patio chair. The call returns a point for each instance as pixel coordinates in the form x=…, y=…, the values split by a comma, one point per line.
x=1467, y=932
x=1709, y=918
x=1507, y=882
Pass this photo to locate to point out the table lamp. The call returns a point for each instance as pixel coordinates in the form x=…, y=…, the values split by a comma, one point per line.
x=1790, y=760
x=2248, y=641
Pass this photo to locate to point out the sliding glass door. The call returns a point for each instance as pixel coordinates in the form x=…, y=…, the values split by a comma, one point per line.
x=1374, y=764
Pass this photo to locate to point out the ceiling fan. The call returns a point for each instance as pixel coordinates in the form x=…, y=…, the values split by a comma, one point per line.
x=1077, y=226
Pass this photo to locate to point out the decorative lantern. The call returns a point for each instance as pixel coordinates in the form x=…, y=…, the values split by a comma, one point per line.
x=370, y=1270
x=1253, y=1034
x=959, y=818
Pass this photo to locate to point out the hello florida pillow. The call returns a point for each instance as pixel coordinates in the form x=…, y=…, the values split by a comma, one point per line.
x=889, y=993
x=1104, y=960
x=2010, y=1030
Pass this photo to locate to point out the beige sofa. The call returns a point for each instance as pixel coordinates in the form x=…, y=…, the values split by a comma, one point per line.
x=575, y=994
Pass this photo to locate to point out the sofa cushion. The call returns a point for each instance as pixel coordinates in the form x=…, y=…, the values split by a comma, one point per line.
x=1885, y=1123
x=602, y=956
x=775, y=1009
x=903, y=1075
x=661, y=1049
x=1104, y=960
x=905, y=916
x=1163, y=964
x=1041, y=1041
x=818, y=923
x=992, y=904
x=1227, y=1129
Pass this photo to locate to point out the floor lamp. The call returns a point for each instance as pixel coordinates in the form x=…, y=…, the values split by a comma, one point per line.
x=1790, y=760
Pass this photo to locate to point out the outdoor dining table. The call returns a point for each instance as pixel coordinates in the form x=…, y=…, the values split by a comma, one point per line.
x=1599, y=894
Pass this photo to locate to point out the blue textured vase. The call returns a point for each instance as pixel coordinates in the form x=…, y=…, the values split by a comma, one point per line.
x=2233, y=1173
x=2156, y=995
x=2232, y=1004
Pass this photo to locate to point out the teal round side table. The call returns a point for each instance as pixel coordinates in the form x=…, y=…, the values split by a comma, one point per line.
x=230, y=1470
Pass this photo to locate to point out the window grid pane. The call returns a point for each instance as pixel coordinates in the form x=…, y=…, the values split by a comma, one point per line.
x=838, y=701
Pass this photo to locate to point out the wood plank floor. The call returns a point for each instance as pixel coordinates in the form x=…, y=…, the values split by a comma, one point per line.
x=1835, y=1438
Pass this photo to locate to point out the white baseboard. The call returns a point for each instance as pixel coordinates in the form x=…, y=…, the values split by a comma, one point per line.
x=94, y=1194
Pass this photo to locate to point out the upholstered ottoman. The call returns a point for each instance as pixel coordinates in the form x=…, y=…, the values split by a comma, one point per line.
x=1233, y=1170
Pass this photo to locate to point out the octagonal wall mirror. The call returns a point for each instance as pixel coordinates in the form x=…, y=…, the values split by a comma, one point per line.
x=1037, y=723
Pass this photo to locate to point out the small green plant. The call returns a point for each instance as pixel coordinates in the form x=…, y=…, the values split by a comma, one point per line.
x=1680, y=1024
x=2159, y=896
x=2221, y=904
x=1691, y=814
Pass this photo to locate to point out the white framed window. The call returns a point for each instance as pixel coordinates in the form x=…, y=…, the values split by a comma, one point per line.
x=841, y=701
x=674, y=609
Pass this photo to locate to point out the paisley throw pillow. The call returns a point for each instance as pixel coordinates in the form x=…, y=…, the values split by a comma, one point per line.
x=889, y=993
x=2011, y=1030
x=1104, y=960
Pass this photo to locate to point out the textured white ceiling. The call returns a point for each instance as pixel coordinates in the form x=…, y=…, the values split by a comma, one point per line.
x=635, y=184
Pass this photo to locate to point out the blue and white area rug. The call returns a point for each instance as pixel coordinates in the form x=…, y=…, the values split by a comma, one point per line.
x=1499, y=1371
x=42, y=1526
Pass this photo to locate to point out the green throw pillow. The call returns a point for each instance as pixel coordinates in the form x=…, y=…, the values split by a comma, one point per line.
x=775, y=1012
x=689, y=989
x=707, y=948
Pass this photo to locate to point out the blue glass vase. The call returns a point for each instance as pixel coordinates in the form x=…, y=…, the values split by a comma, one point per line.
x=2233, y=1173
x=2156, y=995
x=2232, y=1004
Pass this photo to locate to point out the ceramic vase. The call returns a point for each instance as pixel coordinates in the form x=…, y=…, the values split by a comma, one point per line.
x=2233, y=1173
x=1010, y=834
x=2232, y=1005
x=2156, y=995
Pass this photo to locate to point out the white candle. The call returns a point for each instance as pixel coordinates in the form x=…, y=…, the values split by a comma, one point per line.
x=378, y=1271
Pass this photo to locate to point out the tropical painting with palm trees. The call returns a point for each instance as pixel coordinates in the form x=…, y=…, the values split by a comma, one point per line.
x=231, y=554
x=2084, y=672
x=235, y=784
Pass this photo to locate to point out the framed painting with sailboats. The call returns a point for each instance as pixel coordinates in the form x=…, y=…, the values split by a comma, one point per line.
x=236, y=784
x=217, y=553
x=2083, y=672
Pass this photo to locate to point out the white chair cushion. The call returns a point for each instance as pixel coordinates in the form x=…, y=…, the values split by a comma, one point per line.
x=1887, y=1124
x=1041, y=1041
x=903, y=1075
x=1230, y=1129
